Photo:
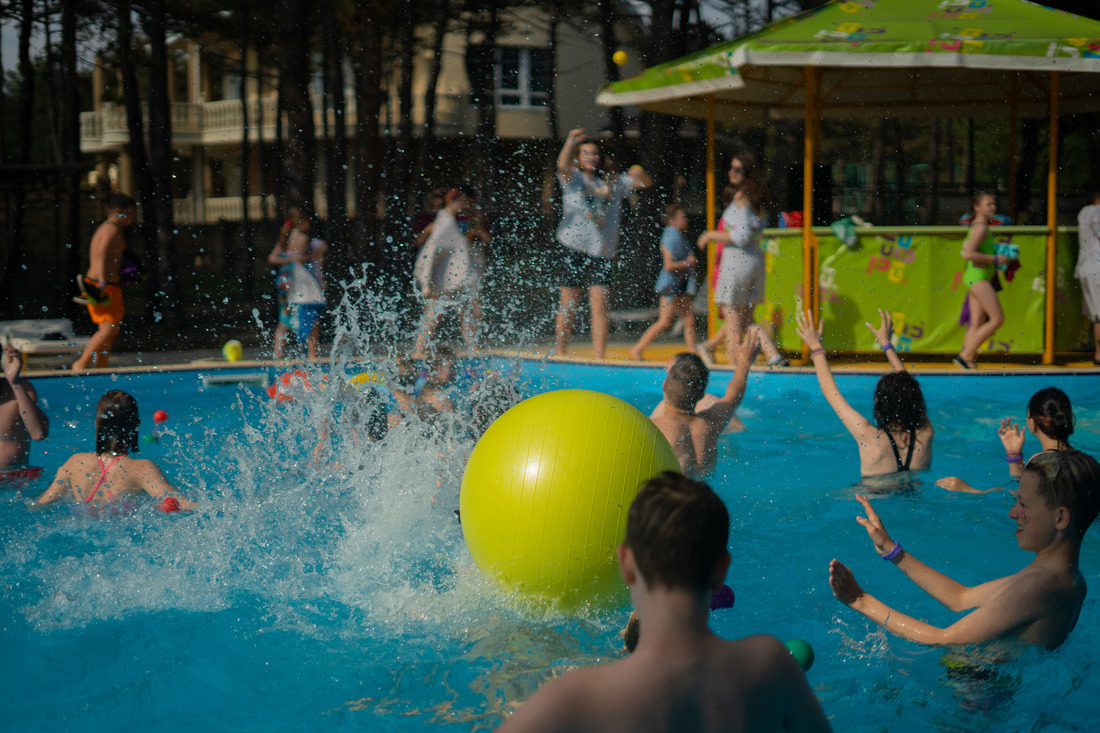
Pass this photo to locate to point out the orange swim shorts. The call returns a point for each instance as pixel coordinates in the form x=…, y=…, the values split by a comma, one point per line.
x=111, y=311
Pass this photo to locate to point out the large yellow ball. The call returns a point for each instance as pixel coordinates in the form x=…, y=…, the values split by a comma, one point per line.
x=547, y=488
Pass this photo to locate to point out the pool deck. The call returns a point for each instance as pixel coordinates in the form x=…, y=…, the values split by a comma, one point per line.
x=617, y=355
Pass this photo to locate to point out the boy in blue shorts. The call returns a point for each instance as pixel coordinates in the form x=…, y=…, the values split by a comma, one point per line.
x=675, y=284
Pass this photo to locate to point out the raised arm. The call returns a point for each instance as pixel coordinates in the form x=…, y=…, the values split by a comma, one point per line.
x=279, y=255
x=569, y=153
x=36, y=422
x=719, y=413
x=856, y=423
x=883, y=336
x=640, y=179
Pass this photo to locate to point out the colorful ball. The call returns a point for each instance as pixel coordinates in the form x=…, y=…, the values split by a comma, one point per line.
x=233, y=351
x=547, y=488
x=802, y=652
x=169, y=504
x=160, y=416
x=620, y=58
x=150, y=438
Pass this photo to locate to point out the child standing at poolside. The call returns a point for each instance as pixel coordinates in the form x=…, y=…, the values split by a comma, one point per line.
x=675, y=284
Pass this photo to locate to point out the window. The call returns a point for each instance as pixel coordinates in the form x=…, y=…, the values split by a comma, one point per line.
x=521, y=79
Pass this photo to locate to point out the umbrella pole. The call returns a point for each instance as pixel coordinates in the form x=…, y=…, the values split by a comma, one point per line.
x=712, y=307
x=1052, y=223
x=809, y=292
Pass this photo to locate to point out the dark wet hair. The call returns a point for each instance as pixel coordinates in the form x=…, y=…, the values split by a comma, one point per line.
x=116, y=423
x=687, y=380
x=899, y=403
x=1052, y=413
x=1069, y=478
x=678, y=529
x=978, y=196
x=118, y=200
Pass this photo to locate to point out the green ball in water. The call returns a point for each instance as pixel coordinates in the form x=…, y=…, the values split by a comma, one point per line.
x=802, y=652
x=150, y=438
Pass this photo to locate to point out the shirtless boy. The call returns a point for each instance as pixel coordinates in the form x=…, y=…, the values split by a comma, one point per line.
x=21, y=419
x=102, y=283
x=681, y=677
x=693, y=432
x=1058, y=497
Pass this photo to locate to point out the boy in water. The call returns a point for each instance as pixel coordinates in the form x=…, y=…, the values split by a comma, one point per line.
x=1058, y=497
x=691, y=426
x=21, y=419
x=102, y=285
x=681, y=676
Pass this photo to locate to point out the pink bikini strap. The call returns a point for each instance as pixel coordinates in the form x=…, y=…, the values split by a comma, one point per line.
x=102, y=477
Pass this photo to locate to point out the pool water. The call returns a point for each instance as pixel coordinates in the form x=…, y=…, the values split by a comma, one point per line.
x=339, y=593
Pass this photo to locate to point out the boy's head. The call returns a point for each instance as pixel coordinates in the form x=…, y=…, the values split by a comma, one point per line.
x=677, y=528
x=120, y=207
x=686, y=382
x=1070, y=479
x=675, y=216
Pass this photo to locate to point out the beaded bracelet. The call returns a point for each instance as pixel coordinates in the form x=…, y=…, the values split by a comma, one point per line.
x=892, y=553
x=1013, y=458
x=816, y=351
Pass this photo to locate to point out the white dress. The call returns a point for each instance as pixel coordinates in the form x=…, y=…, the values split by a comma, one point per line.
x=741, y=272
x=1088, y=261
x=448, y=262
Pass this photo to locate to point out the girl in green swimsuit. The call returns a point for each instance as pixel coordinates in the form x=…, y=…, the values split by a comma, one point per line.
x=979, y=251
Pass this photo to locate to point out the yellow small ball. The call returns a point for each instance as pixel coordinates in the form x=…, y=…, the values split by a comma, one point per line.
x=546, y=491
x=620, y=58
x=233, y=351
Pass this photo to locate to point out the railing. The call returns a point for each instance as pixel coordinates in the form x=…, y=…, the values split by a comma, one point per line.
x=222, y=121
x=219, y=209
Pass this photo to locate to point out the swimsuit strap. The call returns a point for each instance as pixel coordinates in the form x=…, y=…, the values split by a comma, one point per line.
x=908, y=453
x=102, y=477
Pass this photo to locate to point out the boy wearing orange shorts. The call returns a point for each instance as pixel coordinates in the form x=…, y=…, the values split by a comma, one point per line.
x=101, y=287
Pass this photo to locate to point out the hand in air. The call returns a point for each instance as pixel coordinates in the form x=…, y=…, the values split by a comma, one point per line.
x=13, y=362
x=843, y=583
x=745, y=352
x=576, y=135
x=954, y=483
x=873, y=525
x=885, y=328
x=810, y=335
x=1012, y=437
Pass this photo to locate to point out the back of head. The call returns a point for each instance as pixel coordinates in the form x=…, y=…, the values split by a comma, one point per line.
x=669, y=212
x=116, y=200
x=116, y=423
x=899, y=403
x=1052, y=413
x=687, y=381
x=678, y=529
x=1069, y=478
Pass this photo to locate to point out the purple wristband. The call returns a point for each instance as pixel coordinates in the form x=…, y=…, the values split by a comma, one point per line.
x=817, y=351
x=886, y=347
x=892, y=553
x=1013, y=459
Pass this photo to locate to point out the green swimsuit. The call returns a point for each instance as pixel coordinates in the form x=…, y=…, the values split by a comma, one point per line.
x=976, y=273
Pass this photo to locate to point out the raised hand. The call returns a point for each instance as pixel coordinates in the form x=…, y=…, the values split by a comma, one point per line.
x=13, y=363
x=874, y=527
x=885, y=329
x=1012, y=437
x=745, y=352
x=810, y=335
x=843, y=583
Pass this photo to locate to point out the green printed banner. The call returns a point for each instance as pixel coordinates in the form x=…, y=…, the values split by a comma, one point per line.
x=917, y=277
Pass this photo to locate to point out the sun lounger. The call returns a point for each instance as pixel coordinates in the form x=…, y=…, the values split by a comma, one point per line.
x=41, y=337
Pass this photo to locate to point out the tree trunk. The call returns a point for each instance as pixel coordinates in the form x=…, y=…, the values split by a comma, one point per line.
x=25, y=123
x=300, y=159
x=165, y=300
x=246, y=145
x=402, y=194
x=70, y=151
x=427, y=136
x=609, y=44
x=367, y=62
x=552, y=73
x=337, y=152
x=486, y=137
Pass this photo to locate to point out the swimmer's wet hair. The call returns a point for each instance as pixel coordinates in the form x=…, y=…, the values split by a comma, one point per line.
x=899, y=403
x=116, y=423
x=1052, y=412
x=687, y=381
x=678, y=530
x=1069, y=478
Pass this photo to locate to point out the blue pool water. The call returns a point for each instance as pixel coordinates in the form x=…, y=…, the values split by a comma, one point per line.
x=315, y=597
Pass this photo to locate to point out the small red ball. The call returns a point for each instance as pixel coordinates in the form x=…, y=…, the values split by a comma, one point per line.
x=169, y=504
x=160, y=416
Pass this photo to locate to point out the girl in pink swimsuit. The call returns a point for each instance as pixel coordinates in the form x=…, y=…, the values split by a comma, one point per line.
x=109, y=474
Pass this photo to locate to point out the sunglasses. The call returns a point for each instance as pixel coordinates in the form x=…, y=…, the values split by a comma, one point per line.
x=737, y=168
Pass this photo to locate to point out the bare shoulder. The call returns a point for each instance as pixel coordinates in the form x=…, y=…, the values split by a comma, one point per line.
x=562, y=704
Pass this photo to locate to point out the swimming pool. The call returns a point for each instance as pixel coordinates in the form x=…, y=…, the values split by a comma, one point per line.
x=325, y=597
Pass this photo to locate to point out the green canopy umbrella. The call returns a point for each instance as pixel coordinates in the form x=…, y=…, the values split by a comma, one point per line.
x=868, y=58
